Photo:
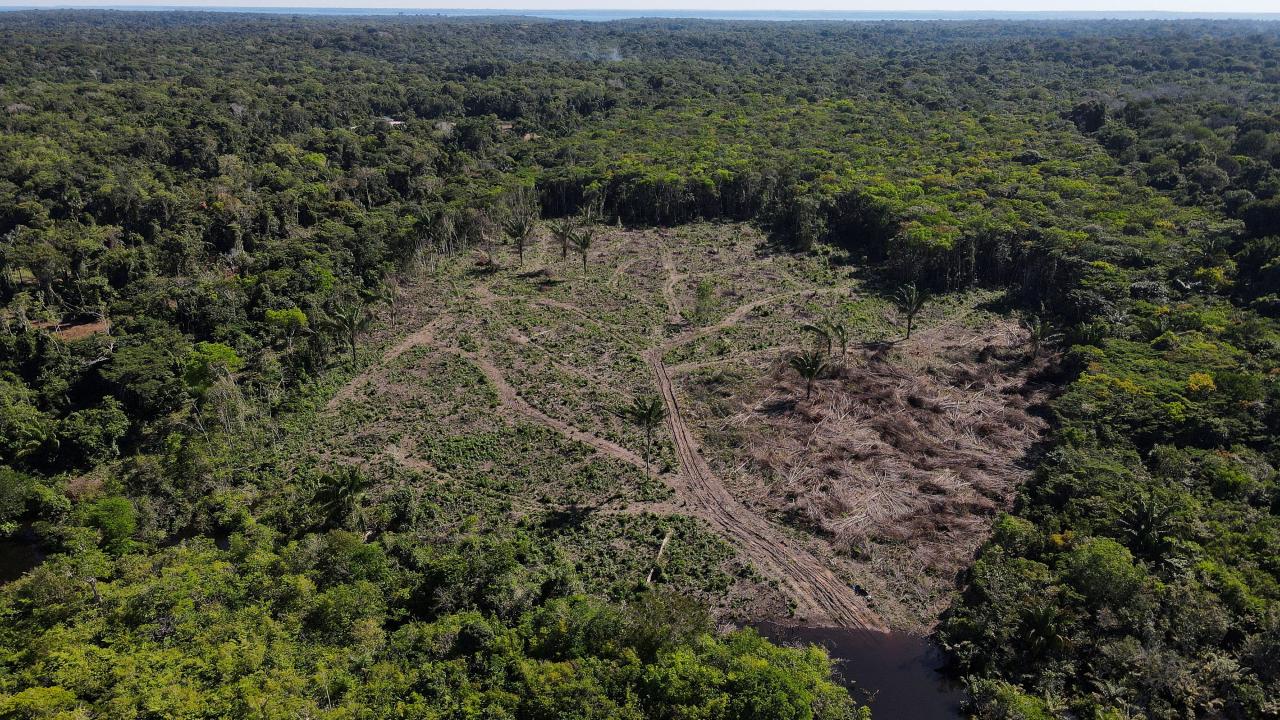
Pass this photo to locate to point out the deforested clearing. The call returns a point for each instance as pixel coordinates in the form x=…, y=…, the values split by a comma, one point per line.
x=900, y=458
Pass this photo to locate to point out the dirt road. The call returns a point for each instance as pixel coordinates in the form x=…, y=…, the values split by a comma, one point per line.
x=818, y=595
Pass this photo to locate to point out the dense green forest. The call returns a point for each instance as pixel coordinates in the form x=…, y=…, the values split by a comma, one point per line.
x=202, y=216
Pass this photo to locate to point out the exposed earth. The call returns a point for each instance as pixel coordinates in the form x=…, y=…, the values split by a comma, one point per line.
x=857, y=507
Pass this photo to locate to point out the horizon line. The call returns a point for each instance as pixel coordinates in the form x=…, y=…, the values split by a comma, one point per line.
x=639, y=12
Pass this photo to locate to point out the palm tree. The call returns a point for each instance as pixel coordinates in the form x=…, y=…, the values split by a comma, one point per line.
x=563, y=230
x=821, y=336
x=646, y=413
x=349, y=320
x=583, y=237
x=827, y=333
x=340, y=494
x=1038, y=333
x=910, y=300
x=519, y=222
x=841, y=334
x=1042, y=629
x=30, y=437
x=1149, y=521
x=810, y=364
x=388, y=292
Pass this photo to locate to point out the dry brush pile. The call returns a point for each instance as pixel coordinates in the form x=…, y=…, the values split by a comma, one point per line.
x=900, y=459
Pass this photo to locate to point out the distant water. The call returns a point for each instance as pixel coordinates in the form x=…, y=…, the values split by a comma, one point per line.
x=607, y=15
x=895, y=674
x=19, y=553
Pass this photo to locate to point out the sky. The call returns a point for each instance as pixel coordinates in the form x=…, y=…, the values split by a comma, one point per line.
x=656, y=6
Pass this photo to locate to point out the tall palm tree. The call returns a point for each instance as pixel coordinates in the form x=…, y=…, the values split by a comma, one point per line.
x=350, y=320
x=583, y=238
x=809, y=364
x=910, y=301
x=519, y=222
x=562, y=230
x=646, y=413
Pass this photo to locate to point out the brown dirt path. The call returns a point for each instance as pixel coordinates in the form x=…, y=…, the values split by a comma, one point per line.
x=512, y=399
x=742, y=357
x=819, y=596
x=742, y=311
x=424, y=335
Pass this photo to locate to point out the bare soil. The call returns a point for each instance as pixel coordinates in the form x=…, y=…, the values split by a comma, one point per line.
x=900, y=459
x=860, y=505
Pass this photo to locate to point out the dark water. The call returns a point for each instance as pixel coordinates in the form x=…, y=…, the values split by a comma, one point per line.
x=19, y=553
x=896, y=674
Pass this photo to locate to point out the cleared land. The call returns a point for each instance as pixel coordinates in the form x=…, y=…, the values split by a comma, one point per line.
x=502, y=387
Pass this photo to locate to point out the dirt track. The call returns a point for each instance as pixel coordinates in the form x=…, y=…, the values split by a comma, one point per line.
x=512, y=399
x=741, y=312
x=818, y=595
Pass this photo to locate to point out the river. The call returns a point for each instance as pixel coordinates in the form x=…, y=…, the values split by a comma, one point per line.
x=19, y=553
x=896, y=674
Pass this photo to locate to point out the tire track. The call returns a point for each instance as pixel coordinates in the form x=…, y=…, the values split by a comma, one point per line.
x=818, y=594
x=424, y=335
x=741, y=312
x=509, y=397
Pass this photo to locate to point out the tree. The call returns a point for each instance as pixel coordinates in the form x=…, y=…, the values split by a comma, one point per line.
x=562, y=230
x=288, y=322
x=809, y=364
x=520, y=220
x=1039, y=333
x=94, y=434
x=145, y=374
x=340, y=494
x=646, y=413
x=24, y=429
x=114, y=517
x=583, y=238
x=1148, y=520
x=1104, y=572
x=349, y=320
x=15, y=490
x=910, y=301
x=584, y=233
x=207, y=362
